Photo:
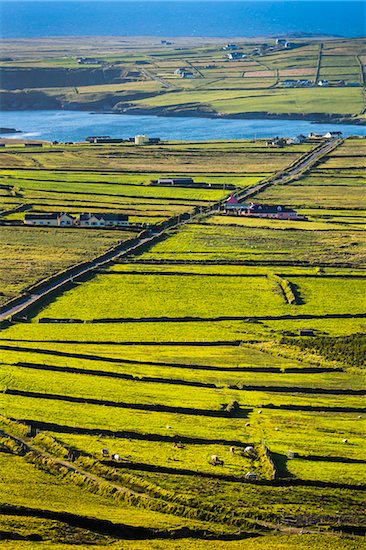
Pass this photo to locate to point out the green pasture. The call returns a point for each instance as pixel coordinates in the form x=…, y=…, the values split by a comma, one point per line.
x=137, y=164
x=27, y=486
x=301, y=195
x=121, y=190
x=174, y=296
x=191, y=457
x=29, y=255
x=220, y=367
x=309, y=225
x=269, y=542
x=206, y=331
x=193, y=420
x=137, y=387
x=278, y=101
x=318, y=441
x=142, y=296
x=251, y=85
x=212, y=242
x=23, y=178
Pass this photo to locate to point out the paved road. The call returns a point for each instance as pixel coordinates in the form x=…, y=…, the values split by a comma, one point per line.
x=58, y=283
x=289, y=174
x=66, y=278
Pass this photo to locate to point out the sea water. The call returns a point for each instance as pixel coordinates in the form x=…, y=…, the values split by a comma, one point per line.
x=77, y=125
x=219, y=18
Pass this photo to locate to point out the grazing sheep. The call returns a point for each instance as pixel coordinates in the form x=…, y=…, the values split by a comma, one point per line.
x=105, y=452
x=116, y=457
x=249, y=449
x=247, y=424
x=251, y=476
x=344, y=440
x=260, y=411
x=276, y=429
x=215, y=461
x=168, y=427
x=232, y=450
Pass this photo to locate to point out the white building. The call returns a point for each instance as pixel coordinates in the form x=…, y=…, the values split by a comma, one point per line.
x=102, y=220
x=141, y=140
x=297, y=140
x=54, y=219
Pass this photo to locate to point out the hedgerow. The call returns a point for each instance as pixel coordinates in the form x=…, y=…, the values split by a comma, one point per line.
x=13, y=427
x=349, y=350
x=285, y=287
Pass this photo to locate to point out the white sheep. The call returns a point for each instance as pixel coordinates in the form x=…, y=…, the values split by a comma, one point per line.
x=250, y=476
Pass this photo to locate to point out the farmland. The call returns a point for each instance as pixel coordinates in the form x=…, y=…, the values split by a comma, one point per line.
x=139, y=76
x=189, y=350
x=110, y=179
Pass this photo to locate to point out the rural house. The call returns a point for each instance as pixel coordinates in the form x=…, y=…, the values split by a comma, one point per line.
x=53, y=219
x=174, y=181
x=297, y=140
x=88, y=61
x=230, y=47
x=235, y=55
x=233, y=206
x=331, y=135
x=102, y=220
x=184, y=73
x=276, y=142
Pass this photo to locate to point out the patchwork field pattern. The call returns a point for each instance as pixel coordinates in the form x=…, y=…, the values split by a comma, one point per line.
x=193, y=350
x=141, y=76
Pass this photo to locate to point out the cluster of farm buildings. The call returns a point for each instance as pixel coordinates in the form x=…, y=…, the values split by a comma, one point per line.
x=297, y=140
x=64, y=219
x=233, y=207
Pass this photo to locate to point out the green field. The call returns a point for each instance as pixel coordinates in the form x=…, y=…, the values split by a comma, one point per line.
x=29, y=255
x=189, y=350
x=138, y=75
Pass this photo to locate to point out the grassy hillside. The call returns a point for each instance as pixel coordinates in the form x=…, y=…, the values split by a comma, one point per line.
x=191, y=350
x=140, y=77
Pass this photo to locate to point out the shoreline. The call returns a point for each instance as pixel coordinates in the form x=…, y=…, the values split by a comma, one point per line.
x=196, y=112
x=315, y=118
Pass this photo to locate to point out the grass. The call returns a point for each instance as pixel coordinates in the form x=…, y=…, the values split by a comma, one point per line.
x=228, y=87
x=298, y=101
x=320, y=451
x=276, y=542
x=137, y=387
x=31, y=254
x=36, y=489
x=139, y=297
x=212, y=242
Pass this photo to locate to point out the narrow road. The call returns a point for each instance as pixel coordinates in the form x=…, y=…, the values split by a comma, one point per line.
x=59, y=282
x=292, y=172
x=151, y=76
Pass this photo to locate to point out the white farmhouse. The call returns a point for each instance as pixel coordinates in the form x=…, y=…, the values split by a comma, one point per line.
x=54, y=219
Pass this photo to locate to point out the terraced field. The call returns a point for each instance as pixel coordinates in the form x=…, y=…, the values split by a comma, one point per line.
x=189, y=351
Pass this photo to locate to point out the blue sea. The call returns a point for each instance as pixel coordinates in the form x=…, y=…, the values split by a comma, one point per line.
x=175, y=18
x=76, y=126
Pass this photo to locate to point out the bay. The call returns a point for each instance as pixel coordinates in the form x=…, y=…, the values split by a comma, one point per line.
x=77, y=125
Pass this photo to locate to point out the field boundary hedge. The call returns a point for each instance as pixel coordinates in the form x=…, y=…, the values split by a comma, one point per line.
x=91, y=482
x=286, y=288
